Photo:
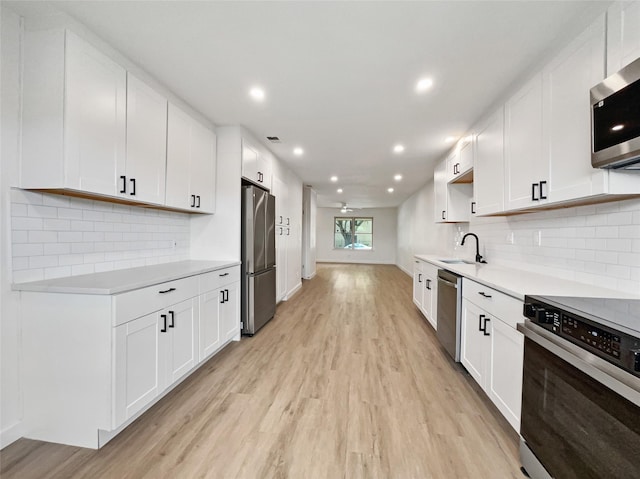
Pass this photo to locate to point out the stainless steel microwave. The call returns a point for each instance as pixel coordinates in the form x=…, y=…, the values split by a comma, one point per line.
x=615, y=120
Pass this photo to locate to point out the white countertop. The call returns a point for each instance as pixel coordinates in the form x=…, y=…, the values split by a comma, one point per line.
x=518, y=283
x=122, y=280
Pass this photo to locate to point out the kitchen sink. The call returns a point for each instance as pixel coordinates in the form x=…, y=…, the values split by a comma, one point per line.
x=456, y=261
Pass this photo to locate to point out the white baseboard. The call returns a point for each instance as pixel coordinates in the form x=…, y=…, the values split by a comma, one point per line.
x=410, y=273
x=350, y=261
x=294, y=290
x=10, y=434
x=312, y=276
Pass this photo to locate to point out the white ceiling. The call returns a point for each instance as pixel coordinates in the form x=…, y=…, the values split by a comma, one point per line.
x=340, y=76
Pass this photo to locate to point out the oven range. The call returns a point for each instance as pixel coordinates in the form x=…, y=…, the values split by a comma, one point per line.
x=581, y=388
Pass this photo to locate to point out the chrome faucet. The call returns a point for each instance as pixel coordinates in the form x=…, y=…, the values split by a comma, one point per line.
x=478, y=255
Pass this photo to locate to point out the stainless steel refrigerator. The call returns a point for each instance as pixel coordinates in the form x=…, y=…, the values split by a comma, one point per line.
x=258, y=258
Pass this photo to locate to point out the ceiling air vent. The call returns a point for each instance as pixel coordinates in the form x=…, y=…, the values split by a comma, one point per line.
x=274, y=139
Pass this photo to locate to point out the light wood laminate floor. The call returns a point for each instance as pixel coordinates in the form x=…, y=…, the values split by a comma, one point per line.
x=347, y=381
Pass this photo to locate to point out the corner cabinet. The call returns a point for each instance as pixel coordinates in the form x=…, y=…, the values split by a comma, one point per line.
x=491, y=348
x=452, y=201
x=94, y=362
x=191, y=163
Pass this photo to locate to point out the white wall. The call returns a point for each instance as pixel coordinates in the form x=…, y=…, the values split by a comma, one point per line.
x=384, y=237
x=10, y=408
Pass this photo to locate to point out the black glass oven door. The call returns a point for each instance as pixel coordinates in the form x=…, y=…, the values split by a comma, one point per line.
x=577, y=427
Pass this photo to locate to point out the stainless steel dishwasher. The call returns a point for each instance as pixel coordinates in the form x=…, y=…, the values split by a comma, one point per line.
x=449, y=308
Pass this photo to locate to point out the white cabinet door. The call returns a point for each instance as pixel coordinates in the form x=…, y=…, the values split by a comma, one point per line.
x=139, y=366
x=452, y=164
x=94, y=119
x=210, y=339
x=567, y=139
x=191, y=163
x=178, y=191
x=623, y=35
x=250, y=162
x=488, y=172
x=526, y=167
x=144, y=178
x=230, y=312
x=280, y=192
x=506, y=362
x=430, y=293
x=474, y=347
x=440, y=178
x=203, y=167
x=182, y=356
x=418, y=283
x=465, y=156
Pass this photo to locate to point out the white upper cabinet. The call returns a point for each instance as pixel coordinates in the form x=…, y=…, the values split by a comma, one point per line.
x=525, y=166
x=623, y=35
x=452, y=201
x=488, y=174
x=191, y=163
x=567, y=140
x=74, y=115
x=460, y=162
x=144, y=175
x=256, y=166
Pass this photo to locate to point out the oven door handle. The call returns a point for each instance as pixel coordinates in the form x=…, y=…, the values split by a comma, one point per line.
x=616, y=379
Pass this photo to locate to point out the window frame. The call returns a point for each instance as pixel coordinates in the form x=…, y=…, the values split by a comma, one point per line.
x=353, y=232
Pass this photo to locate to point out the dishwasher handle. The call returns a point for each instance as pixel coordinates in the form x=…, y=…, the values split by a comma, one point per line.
x=453, y=285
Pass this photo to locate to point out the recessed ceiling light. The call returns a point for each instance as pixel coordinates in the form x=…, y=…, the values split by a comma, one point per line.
x=424, y=84
x=397, y=177
x=450, y=139
x=257, y=93
x=334, y=178
x=298, y=151
x=617, y=128
x=390, y=190
x=398, y=149
x=339, y=190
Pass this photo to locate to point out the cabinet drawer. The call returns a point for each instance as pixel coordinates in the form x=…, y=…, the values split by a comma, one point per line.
x=133, y=304
x=216, y=279
x=498, y=304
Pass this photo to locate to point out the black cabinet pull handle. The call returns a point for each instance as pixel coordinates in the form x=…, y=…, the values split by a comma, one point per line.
x=533, y=192
x=133, y=186
x=429, y=284
x=223, y=274
x=288, y=231
x=167, y=290
x=172, y=324
x=419, y=277
x=226, y=295
x=124, y=184
x=486, y=333
x=288, y=224
x=443, y=214
x=164, y=320
x=193, y=201
x=473, y=207
x=482, y=293
x=542, y=195
x=280, y=219
x=480, y=318
x=281, y=231
x=222, y=299
x=198, y=205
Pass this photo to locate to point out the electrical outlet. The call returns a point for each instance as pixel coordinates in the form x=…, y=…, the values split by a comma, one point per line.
x=537, y=238
x=511, y=238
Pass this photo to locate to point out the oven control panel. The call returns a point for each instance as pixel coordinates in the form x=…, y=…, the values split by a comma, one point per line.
x=608, y=343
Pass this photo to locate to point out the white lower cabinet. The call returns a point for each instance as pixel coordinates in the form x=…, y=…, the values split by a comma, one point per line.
x=425, y=294
x=219, y=310
x=94, y=362
x=492, y=348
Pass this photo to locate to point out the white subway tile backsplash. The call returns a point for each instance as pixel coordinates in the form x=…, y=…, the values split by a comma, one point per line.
x=55, y=235
x=582, y=243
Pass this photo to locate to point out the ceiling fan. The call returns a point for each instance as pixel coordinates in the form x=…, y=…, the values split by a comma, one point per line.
x=345, y=209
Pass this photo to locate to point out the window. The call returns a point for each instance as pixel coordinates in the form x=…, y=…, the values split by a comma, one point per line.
x=353, y=233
